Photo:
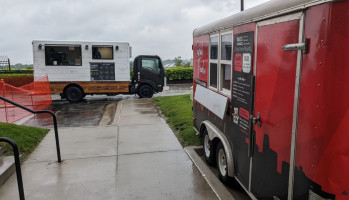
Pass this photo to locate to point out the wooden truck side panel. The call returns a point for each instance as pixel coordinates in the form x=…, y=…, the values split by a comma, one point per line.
x=92, y=87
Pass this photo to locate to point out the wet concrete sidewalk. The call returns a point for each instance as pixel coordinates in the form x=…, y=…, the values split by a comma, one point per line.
x=137, y=157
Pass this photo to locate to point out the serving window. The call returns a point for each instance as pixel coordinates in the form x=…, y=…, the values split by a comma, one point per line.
x=213, y=69
x=225, y=75
x=102, y=52
x=63, y=55
x=226, y=46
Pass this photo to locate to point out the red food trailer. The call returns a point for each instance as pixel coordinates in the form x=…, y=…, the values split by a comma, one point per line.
x=271, y=99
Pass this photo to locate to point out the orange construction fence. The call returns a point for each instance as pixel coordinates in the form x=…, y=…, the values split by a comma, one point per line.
x=35, y=96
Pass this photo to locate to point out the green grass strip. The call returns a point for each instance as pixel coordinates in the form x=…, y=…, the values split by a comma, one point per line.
x=26, y=138
x=179, y=114
x=16, y=75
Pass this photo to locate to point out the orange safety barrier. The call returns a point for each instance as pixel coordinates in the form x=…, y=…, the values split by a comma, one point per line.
x=35, y=96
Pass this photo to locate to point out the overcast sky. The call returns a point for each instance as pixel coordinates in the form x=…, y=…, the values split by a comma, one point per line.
x=162, y=27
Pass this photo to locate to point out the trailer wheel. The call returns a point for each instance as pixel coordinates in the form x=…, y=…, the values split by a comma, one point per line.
x=209, y=150
x=145, y=91
x=222, y=164
x=73, y=94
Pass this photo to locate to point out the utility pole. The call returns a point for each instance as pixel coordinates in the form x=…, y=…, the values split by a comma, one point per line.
x=242, y=5
x=9, y=65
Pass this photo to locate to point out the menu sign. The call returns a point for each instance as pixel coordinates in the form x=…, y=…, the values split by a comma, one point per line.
x=242, y=81
x=102, y=71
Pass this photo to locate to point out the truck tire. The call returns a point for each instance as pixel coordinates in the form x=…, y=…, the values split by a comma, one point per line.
x=145, y=91
x=74, y=94
x=222, y=164
x=209, y=150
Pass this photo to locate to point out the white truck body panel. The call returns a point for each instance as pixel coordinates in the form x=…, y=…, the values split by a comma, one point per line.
x=121, y=56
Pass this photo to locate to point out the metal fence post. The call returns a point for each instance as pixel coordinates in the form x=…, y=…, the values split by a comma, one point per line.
x=17, y=164
x=41, y=111
x=2, y=82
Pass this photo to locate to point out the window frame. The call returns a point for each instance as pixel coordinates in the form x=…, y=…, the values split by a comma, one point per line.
x=62, y=45
x=215, y=61
x=156, y=60
x=225, y=62
x=105, y=46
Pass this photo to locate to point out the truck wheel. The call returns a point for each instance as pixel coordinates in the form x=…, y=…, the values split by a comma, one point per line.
x=222, y=164
x=209, y=150
x=73, y=94
x=145, y=91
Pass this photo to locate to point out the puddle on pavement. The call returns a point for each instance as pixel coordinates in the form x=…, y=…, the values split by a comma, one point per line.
x=86, y=113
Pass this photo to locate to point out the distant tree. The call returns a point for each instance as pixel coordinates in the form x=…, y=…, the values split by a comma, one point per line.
x=178, y=61
x=187, y=64
x=22, y=66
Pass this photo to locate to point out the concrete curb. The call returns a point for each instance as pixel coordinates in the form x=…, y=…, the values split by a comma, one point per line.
x=108, y=114
x=211, y=178
x=117, y=114
x=7, y=169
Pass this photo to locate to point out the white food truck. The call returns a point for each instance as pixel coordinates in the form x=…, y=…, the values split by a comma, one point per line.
x=78, y=68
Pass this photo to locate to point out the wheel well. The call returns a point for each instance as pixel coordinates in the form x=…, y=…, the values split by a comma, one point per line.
x=220, y=137
x=75, y=85
x=151, y=84
x=215, y=141
x=145, y=84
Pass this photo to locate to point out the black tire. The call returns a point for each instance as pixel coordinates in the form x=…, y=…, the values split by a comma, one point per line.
x=145, y=91
x=209, y=150
x=222, y=164
x=73, y=94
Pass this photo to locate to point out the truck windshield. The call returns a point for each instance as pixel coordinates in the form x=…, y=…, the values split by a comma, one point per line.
x=151, y=64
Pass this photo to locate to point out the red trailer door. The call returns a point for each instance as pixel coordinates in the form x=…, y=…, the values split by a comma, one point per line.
x=274, y=99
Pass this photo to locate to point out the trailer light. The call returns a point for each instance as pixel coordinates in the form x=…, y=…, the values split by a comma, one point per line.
x=194, y=118
x=86, y=47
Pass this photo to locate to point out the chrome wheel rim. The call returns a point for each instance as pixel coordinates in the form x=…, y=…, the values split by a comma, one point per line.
x=207, y=146
x=222, y=162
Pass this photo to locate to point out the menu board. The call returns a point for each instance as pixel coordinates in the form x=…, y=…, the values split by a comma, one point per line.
x=242, y=81
x=102, y=71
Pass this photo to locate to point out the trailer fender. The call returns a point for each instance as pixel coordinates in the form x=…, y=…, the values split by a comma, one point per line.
x=214, y=132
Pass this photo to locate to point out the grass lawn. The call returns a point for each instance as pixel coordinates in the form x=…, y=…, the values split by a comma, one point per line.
x=26, y=138
x=16, y=75
x=179, y=114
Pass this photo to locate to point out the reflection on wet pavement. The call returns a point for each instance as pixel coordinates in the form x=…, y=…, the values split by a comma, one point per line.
x=86, y=113
x=90, y=111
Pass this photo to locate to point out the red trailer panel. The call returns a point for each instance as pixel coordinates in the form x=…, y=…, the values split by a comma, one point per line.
x=323, y=128
x=274, y=97
x=286, y=129
x=200, y=64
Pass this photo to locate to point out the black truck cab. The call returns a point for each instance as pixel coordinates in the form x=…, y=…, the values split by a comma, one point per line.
x=148, y=76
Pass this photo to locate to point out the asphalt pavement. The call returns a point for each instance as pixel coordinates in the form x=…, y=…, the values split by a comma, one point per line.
x=137, y=156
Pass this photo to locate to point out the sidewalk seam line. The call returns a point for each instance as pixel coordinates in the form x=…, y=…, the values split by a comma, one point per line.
x=164, y=151
x=53, y=161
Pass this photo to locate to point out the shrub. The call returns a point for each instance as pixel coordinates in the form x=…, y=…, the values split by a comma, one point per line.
x=178, y=73
x=24, y=71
